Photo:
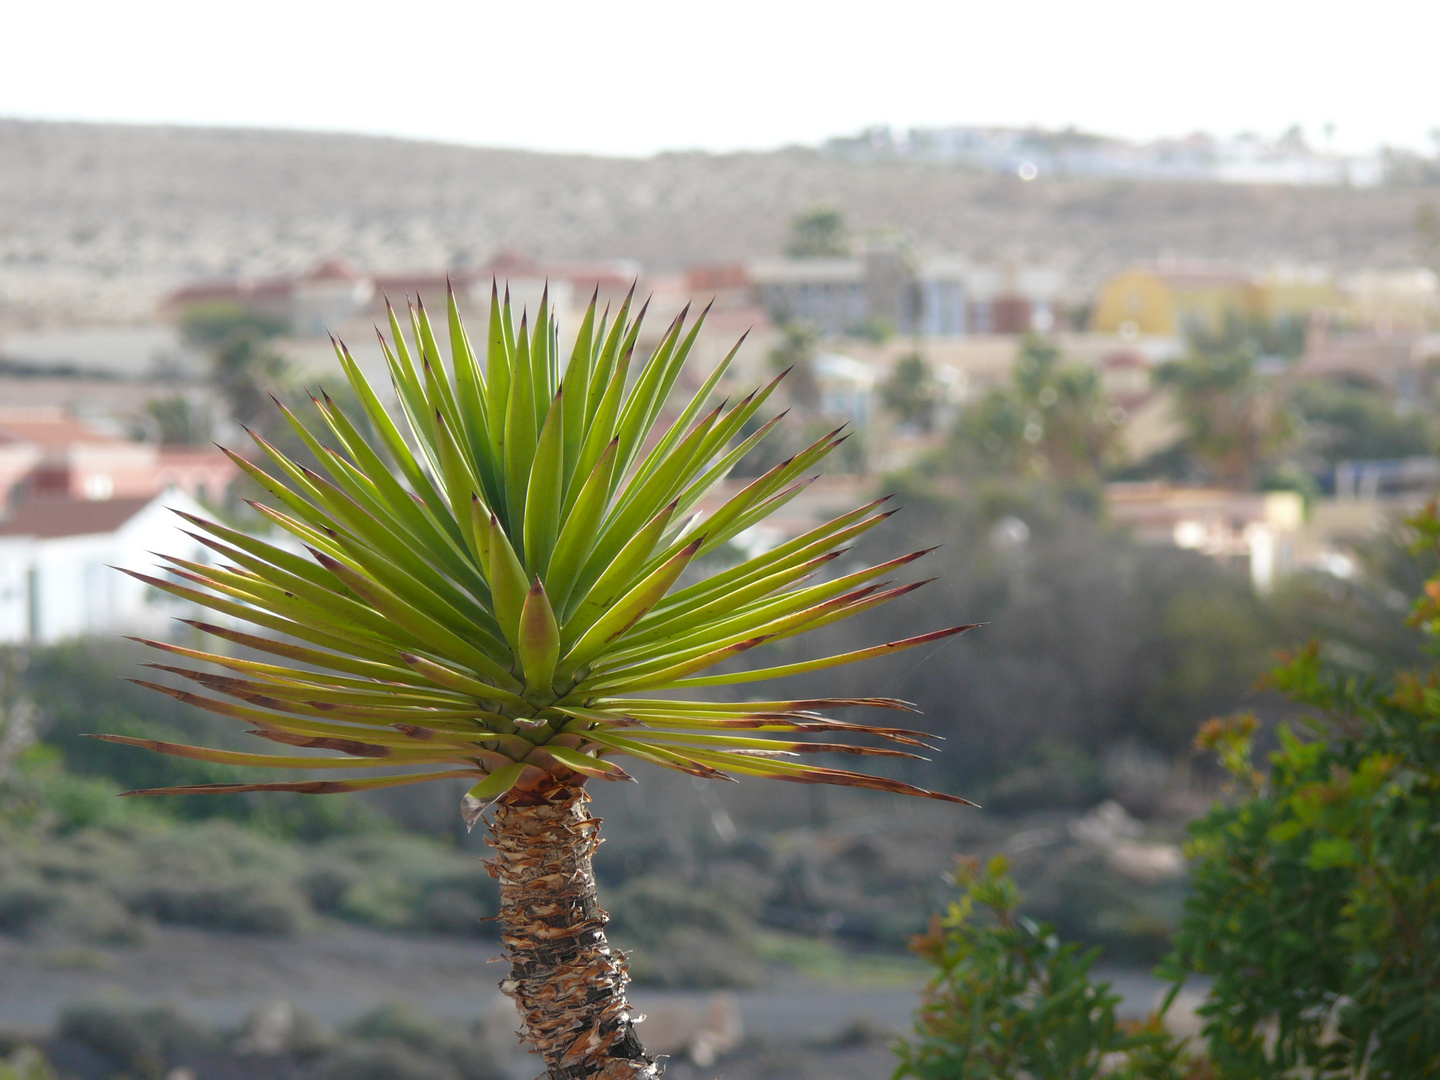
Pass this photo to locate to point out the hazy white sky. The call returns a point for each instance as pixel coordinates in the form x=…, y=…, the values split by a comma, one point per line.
x=644, y=76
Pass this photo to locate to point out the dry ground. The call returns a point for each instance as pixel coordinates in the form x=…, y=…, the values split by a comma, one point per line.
x=97, y=221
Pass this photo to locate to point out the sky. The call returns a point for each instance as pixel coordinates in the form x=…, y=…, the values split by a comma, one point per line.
x=643, y=77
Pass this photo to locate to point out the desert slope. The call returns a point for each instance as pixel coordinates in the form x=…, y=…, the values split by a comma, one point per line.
x=97, y=220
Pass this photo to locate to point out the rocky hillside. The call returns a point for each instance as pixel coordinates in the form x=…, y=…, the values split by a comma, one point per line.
x=96, y=221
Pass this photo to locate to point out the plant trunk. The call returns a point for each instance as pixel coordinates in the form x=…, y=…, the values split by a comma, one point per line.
x=566, y=981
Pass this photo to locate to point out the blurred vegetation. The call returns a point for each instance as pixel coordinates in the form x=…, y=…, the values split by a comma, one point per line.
x=1345, y=421
x=1234, y=422
x=245, y=368
x=178, y=420
x=1052, y=421
x=1253, y=336
x=82, y=686
x=111, y=882
x=1089, y=640
x=911, y=393
x=819, y=232
x=394, y=1042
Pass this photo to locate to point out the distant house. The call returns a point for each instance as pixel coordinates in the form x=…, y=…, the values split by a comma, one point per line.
x=1169, y=298
x=846, y=388
x=1166, y=299
x=828, y=294
x=333, y=292
x=1253, y=530
x=56, y=559
x=934, y=297
x=48, y=452
x=1402, y=363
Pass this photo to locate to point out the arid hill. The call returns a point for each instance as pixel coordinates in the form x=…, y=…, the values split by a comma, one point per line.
x=96, y=221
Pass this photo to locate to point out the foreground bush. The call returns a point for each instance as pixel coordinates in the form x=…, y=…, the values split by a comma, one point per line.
x=1009, y=1000
x=1316, y=905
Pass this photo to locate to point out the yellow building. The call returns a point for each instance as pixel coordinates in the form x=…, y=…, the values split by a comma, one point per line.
x=1166, y=299
x=1290, y=292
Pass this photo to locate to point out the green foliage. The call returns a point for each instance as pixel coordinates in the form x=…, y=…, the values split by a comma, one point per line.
x=1252, y=336
x=26, y=1063
x=398, y=1042
x=910, y=392
x=245, y=369
x=139, y=1043
x=1316, y=905
x=210, y=326
x=177, y=420
x=683, y=936
x=80, y=687
x=1052, y=421
x=1009, y=1001
x=485, y=596
x=394, y=1042
x=110, y=881
x=818, y=233
x=1233, y=423
x=1343, y=421
x=795, y=354
x=1090, y=639
x=875, y=330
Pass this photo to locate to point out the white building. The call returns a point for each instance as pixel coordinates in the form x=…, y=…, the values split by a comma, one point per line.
x=56, y=559
x=846, y=389
x=934, y=297
x=828, y=294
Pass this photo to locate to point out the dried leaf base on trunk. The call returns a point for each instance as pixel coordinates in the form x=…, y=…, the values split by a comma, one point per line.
x=566, y=981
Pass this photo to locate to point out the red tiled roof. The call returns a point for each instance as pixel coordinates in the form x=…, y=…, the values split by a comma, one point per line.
x=50, y=428
x=332, y=270
x=234, y=291
x=51, y=517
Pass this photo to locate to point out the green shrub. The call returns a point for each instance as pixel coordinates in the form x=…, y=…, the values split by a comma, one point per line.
x=1316, y=903
x=387, y=1060
x=140, y=1043
x=398, y=1042
x=26, y=1063
x=682, y=936
x=23, y=901
x=81, y=687
x=399, y=882
x=248, y=904
x=1009, y=1001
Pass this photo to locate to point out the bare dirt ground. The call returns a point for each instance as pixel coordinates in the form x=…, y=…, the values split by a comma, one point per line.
x=792, y=1028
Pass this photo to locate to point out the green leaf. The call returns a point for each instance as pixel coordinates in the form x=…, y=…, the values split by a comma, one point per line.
x=577, y=376
x=584, y=763
x=539, y=640
x=479, y=797
x=608, y=573
x=822, y=663
x=582, y=524
x=542, y=499
x=519, y=436
x=497, y=371
x=508, y=582
x=622, y=614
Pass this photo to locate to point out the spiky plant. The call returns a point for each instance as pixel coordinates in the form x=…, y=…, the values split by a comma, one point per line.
x=491, y=593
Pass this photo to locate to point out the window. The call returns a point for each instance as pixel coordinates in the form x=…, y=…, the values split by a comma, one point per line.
x=99, y=486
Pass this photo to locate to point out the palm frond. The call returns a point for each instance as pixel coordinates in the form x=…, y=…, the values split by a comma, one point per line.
x=492, y=578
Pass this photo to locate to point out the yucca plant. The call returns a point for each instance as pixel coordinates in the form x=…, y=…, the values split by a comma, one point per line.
x=495, y=592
